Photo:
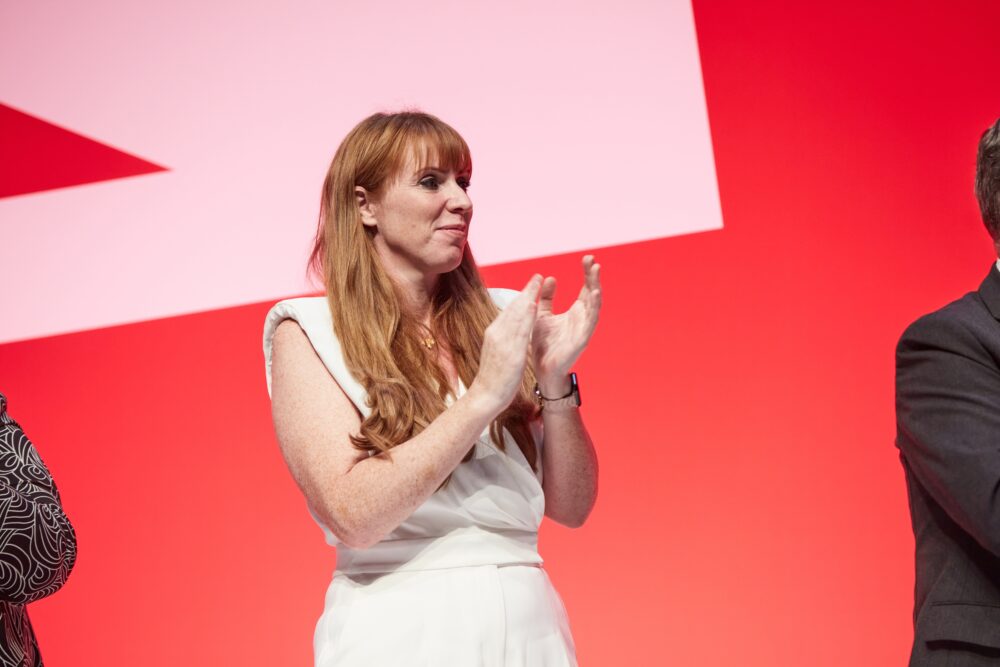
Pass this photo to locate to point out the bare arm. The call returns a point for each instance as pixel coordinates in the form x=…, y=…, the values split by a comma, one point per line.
x=569, y=462
x=362, y=498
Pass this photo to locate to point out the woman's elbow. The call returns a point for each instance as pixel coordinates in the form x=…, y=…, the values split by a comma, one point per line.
x=356, y=537
x=351, y=531
x=570, y=519
x=358, y=542
x=573, y=522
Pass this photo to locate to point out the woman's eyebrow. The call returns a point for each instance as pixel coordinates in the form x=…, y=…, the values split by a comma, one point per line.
x=441, y=170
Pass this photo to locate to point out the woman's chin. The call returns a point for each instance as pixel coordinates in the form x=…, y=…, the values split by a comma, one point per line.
x=451, y=262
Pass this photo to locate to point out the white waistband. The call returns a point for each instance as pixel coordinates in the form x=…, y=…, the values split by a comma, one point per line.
x=462, y=547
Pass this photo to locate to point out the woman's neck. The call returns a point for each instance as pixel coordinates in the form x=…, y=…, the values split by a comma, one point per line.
x=416, y=294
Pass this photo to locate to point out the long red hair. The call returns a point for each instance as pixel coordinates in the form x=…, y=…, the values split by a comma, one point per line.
x=406, y=386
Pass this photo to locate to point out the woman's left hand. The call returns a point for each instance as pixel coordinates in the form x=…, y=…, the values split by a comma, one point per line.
x=558, y=340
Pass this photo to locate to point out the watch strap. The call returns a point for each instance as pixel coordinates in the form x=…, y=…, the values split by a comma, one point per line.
x=571, y=399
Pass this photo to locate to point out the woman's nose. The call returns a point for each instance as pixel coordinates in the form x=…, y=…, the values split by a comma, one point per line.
x=459, y=199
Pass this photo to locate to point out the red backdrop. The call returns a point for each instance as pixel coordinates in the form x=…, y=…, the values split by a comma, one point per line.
x=752, y=508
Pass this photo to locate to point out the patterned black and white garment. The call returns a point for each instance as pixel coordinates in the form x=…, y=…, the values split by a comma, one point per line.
x=37, y=542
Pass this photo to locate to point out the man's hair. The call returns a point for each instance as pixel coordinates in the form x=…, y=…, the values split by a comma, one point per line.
x=988, y=179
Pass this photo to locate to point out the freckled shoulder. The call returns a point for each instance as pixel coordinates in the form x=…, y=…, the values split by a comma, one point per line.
x=313, y=316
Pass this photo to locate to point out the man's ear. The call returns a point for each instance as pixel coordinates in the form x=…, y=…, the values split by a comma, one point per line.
x=366, y=206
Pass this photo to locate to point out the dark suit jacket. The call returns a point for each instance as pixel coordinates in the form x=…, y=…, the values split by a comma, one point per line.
x=948, y=434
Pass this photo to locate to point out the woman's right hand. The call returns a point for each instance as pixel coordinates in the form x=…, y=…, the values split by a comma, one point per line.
x=505, y=349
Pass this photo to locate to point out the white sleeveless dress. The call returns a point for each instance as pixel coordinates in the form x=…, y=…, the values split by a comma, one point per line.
x=460, y=582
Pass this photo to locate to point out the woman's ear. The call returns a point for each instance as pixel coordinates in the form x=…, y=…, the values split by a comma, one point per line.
x=366, y=206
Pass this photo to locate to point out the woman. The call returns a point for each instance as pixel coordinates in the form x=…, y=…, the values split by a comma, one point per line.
x=407, y=409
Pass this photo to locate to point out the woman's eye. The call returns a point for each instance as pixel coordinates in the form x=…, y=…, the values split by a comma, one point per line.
x=464, y=183
x=429, y=182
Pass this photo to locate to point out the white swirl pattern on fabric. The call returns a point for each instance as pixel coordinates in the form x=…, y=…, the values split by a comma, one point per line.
x=37, y=541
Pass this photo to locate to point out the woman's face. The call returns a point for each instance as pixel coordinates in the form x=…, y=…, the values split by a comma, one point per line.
x=421, y=218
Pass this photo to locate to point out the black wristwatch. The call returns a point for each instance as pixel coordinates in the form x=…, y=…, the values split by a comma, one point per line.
x=570, y=399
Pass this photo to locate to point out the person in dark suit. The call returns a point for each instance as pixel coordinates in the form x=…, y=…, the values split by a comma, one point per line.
x=37, y=541
x=948, y=434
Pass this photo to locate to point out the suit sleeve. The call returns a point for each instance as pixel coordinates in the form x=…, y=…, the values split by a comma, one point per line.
x=37, y=541
x=948, y=422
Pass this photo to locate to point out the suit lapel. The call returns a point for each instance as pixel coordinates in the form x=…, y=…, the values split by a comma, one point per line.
x=989, y=291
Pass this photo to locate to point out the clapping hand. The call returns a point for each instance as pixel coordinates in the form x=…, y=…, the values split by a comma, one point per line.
x=505, y=347
x=558, y=340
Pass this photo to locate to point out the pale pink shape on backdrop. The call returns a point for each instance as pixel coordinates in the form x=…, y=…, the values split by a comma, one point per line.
x=587, y=123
